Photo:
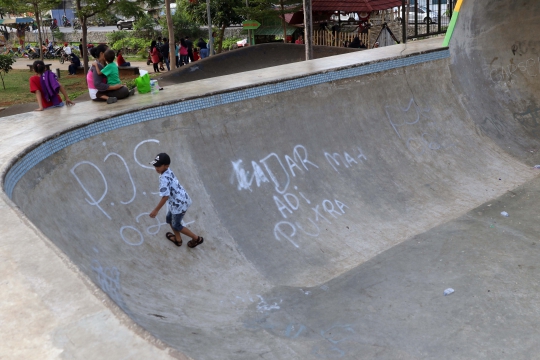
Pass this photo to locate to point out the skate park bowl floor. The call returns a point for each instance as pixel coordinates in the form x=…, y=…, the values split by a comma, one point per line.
x=338, y=199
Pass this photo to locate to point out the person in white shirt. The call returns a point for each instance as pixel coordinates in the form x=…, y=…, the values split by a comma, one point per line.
x=67, y=49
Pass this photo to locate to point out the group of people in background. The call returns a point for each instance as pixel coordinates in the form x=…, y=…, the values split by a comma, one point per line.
x=103, y=77
x=185, y=52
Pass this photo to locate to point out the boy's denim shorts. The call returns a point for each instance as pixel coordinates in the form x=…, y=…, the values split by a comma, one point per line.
x=175, y=220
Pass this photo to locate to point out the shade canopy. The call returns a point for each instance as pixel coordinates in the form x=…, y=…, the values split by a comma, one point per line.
x=349, y=6
x=274, y=30
x=16, y=21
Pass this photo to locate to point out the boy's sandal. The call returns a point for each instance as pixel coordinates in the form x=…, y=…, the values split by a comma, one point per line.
x=170, y=236
x=195, y=243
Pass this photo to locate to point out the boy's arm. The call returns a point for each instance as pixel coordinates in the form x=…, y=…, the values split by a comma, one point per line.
x=97, y=68
x=162, y=202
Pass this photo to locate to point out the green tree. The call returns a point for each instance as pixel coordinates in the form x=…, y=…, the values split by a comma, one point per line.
x=145, y=28
x=86, y=9
x=223, y=13
x=184, y=26
x=37, y=7
x=262, y=10
x=5, y=65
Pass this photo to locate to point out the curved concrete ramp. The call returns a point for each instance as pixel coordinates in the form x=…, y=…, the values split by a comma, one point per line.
x=247, y=59
x=337, y=200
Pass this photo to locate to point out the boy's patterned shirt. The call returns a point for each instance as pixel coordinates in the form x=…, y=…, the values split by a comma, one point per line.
x=179, y=201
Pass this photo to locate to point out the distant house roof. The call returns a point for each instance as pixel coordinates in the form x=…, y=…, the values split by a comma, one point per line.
x=275, y=30
x=354, y=5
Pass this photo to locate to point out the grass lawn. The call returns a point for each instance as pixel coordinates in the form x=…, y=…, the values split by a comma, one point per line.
x=134, y=58
x=18, y=89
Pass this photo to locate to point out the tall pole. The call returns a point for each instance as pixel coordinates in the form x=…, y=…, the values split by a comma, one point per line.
x=404, y=21
x=308, y=29
x=249, y=30
x=210, y=39
x=170, y=26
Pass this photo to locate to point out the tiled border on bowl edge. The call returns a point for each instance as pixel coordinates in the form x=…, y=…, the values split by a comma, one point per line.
x=48, y=148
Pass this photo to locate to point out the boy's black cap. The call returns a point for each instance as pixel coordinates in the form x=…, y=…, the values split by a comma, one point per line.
x=161, y=159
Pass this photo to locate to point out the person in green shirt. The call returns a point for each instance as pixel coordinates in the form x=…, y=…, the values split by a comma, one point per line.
x=110, y=70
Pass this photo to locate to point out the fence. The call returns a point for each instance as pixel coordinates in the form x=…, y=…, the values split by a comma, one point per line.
x=427, y=18
x=337, y=38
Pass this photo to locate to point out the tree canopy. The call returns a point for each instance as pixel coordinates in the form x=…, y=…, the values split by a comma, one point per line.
x=223, y=12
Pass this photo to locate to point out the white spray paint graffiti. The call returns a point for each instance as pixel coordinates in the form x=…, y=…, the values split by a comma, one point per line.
x=402, y=118
x=280, y=172
x=131, y=235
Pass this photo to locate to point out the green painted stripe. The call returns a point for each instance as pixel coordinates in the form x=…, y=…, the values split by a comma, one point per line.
x=451, y=27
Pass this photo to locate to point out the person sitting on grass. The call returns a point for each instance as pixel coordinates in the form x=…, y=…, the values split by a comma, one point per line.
x=110, y=70
x=47, y=88
x=120, y=60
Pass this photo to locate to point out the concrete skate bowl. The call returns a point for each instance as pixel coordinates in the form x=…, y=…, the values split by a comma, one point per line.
x=247, y=59
x=336, y=207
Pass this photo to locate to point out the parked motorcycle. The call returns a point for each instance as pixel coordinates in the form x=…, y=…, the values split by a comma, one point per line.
x=64, y=57
x=33, y=53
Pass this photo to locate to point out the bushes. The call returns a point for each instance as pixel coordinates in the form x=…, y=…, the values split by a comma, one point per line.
x=229, y=42
x=123, y=40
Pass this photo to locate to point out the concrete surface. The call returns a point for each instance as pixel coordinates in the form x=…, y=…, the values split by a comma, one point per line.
x=247, y=59
x=434, y=153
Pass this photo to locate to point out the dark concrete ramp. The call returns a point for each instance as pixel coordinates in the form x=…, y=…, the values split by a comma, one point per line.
x=335, y=213
x=247, y=59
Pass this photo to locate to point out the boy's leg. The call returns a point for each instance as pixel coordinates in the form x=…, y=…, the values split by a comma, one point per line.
x=176, y=222
x=176, y=234
x=169, y=219
x=189, y=233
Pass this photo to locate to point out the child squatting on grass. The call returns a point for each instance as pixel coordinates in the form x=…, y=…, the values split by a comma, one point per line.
x=178, y=200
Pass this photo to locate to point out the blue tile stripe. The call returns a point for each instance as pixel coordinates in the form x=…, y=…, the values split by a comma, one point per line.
x=50, y=147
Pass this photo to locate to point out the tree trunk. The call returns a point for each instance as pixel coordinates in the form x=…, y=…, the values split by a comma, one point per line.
x=221, y=34
x=38, y=21
x=172, y=55
x=308, y=29
x=283, y=22
x=84, y=44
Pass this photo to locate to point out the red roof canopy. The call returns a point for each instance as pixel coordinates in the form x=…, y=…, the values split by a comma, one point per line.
x=349, y=6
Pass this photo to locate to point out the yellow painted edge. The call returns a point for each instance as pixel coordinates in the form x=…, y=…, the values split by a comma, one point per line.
x=458, y=5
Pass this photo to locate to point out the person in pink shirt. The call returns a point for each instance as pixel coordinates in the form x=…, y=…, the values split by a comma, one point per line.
x=184, y=59
x=154, y=55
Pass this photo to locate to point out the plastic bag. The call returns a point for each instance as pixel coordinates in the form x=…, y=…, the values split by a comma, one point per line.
x=143, y=84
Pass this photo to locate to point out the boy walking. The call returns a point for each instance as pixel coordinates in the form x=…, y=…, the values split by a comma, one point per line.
x=178, y=200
